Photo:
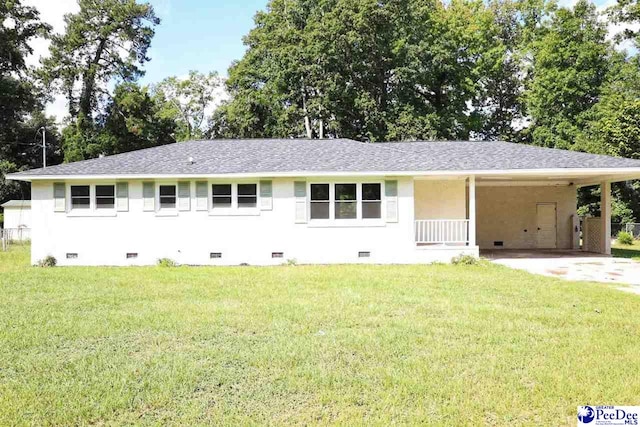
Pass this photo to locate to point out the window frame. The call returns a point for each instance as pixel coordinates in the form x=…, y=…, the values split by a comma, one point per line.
x=326, y=202
x=90, y=196
x=234, y=209
x=239, y=196
x=371, y=201
x=229, y=196
x=93, y=210
x=159, y=208
x=332, y=221
x=114, y=197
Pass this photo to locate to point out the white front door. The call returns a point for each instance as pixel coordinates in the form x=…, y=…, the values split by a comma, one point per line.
x=546, y=233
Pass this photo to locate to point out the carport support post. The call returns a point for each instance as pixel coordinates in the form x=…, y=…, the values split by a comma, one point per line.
x=472, y=211
x=605, y=216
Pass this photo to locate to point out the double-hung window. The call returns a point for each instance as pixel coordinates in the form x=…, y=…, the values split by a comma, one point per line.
x=105, y=196
x=221, y=196
x=346, y=201
x=371, y=201
x=167, y=196
x=231, y=198
x=320, y=201
x=80, y=197
x=247, y=195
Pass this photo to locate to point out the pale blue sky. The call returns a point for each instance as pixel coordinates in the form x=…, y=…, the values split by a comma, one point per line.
x=201, y=35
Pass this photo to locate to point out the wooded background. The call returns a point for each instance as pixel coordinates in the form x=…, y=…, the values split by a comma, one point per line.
x=373, y=70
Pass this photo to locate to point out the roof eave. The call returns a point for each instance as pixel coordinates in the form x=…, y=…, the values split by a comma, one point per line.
x=612, y=173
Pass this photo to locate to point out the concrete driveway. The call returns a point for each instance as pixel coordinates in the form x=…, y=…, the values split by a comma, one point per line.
x=571, y=265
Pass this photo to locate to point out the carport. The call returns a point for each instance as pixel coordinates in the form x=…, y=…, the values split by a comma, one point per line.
x=539, y=213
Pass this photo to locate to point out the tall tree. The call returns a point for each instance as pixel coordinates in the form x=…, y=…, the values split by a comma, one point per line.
x=133, y=120
x=569, y=67
x=188, y=101
x=106, y=39
x=627, y=14
x=19, y=100
x=366, y=69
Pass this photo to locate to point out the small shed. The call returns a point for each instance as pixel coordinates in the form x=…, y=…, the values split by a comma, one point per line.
x=17, y=219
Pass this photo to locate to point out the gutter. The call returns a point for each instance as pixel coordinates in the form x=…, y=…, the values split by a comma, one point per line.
x=613, y=173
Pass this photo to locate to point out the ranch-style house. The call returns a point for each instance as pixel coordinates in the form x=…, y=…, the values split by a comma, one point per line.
x=260, y=202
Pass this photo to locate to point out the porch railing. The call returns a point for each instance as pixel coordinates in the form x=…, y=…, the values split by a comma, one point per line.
x=443, y=231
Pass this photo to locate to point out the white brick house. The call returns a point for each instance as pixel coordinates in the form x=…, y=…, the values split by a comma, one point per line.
x=260, y=202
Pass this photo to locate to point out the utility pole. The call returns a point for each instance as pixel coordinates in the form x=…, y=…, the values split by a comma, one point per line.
x=44, y=146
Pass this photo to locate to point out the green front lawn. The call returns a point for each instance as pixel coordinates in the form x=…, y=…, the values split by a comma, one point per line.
x=627, y=251
x=309, y=345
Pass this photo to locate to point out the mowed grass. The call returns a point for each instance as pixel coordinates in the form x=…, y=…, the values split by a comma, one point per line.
x=627, y=251
x=352, y=345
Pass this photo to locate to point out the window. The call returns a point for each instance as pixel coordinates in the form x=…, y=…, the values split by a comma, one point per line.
x=319, y=201
x=346, y=201
x=364, y=254
x=221, y=196
x=277, y=254
x=247, y=195
x=80, y=197
x=213, y=255
x=132, y=255
x=167, y=197
x=72, y=255
x=371, y=201
x=105, y=197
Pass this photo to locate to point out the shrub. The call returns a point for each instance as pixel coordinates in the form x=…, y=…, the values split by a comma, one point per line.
x=47, y=261
x=624, y=238
x=166, y=262
x=464, y=260
x=292, y=262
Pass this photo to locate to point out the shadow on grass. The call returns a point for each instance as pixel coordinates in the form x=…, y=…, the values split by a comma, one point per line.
x=630, y=252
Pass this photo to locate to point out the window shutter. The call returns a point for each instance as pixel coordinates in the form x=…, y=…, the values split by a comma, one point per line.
x=148, y=196
x=391, y=198
x=184, y=196
x=59, y=194
x=266, y=195
x=202, y=197
x=122, y=196
x=300, y=194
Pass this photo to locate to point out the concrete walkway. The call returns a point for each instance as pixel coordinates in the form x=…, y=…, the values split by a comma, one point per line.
x=571, y=265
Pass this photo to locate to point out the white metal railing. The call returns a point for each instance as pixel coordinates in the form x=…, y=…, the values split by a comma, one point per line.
x=443, y=231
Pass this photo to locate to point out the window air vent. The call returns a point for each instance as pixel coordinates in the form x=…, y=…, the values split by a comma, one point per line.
x=498, y=243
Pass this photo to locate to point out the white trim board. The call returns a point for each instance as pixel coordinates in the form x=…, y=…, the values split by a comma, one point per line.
x=612, y=174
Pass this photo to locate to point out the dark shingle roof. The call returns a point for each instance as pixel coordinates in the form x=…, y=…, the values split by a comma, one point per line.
x=333, y=155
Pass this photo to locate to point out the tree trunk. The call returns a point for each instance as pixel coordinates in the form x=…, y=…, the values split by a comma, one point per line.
x=88, y=81
x=307, y=122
